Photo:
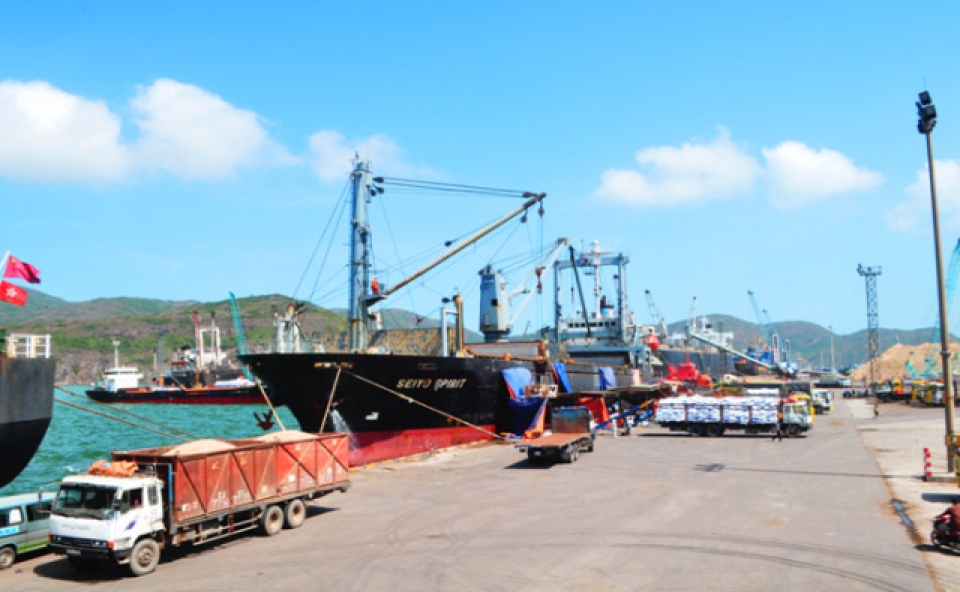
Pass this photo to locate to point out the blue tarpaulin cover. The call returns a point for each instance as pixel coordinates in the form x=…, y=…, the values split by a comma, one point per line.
x=560, y=373
x=607, y=378
x=525, y=412
x=517, y=380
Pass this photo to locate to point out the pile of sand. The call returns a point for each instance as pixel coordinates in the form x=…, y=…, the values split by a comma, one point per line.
x=285, y=436
x=892, y=363
x=199, y=447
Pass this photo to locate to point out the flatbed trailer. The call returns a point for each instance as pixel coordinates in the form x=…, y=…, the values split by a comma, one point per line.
x=710, y=416
x=570, y=435
x=563, y=447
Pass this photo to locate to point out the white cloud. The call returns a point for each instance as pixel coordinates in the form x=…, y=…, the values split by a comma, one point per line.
x=798, y=174
x=692, y=173
x=189, y=132
x=916, y=211
x=332, y=156
x=50, y=135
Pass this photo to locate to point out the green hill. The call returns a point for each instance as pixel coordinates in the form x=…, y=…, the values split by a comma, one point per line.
x=83, y=332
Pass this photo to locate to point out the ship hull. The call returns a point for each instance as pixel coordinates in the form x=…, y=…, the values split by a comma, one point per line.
x=26, y=406
x=714, y=364
x=191, y=396
x=392, y=405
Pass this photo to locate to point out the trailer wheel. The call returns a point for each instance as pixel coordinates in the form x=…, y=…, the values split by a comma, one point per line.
x=532, y=458
x=589, y=447
x=696, y=430
x=144, y=557
x=574, y=454
x=793, y=430
x=272, y=521
x=714, y=430
x=7, y=556
x=295, y=513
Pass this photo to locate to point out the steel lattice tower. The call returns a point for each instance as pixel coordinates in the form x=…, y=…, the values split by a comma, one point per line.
x=873, y=317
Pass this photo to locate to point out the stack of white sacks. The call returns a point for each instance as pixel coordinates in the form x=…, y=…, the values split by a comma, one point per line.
x=729, y=410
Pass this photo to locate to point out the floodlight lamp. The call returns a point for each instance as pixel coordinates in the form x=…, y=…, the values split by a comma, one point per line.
x=925, y=98
x=378, y=179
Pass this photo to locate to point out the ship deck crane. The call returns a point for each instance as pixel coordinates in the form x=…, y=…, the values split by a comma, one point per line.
x=658, y=321
x=765, y=332
x=496, y=318
x=780, y=356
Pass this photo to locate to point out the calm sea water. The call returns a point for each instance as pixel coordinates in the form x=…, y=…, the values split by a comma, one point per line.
x=76, y=438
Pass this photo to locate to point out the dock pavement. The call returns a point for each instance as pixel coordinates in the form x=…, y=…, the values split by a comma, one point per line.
x=655, y=510
x=896, y=436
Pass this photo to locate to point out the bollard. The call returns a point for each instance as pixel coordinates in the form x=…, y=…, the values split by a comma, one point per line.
x=927, y=473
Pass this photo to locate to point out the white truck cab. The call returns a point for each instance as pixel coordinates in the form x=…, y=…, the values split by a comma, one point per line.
x=822, y=400
x=97, y=517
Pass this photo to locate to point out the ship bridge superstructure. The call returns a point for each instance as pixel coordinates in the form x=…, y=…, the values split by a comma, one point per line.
x=592, y=315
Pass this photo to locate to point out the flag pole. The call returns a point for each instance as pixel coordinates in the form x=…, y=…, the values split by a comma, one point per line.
x=3, y=264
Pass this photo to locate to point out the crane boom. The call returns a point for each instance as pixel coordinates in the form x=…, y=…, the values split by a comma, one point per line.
x=764, y=330
x=658, y=321
x=241, y=338
x=930, y=369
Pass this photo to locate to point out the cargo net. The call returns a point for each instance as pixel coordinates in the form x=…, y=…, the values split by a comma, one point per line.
x=743, y=411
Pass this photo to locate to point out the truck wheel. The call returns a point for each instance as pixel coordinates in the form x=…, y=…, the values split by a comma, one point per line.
x=696, y=430
x=793, y=430
x=272, y=521
x=532, y=458
x=144, y=557
x=574, y=455
x=589, y=447
x=7, y=556
x=714, y=430
x=295, y=513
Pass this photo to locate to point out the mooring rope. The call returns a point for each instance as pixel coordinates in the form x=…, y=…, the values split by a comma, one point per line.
x=120, y=419
x=118, y=410
x=333, y=390
x=269, y=404
x=409, y=399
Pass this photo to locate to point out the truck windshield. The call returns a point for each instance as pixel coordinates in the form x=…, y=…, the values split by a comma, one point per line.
x=88, y=501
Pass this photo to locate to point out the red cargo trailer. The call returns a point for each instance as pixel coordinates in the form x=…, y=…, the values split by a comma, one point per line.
x=192, y=493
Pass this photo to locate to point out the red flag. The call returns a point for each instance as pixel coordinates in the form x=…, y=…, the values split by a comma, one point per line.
x=12, y=294
x=22, y=270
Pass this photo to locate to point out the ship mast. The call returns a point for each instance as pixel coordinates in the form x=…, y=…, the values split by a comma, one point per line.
x=359, y=314
x=360, y=302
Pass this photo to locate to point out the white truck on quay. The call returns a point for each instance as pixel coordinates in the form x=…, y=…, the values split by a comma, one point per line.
x=712, y=416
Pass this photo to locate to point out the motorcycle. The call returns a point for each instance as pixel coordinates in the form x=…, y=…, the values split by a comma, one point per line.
x=942, y=533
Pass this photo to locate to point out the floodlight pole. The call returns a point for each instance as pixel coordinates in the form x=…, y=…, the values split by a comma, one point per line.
x=928, y=119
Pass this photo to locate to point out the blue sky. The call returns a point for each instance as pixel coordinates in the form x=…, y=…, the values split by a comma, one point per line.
x=186, y=150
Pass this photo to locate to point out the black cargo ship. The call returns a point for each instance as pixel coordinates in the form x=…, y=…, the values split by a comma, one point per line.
x=392, y=405
x=26, y=400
